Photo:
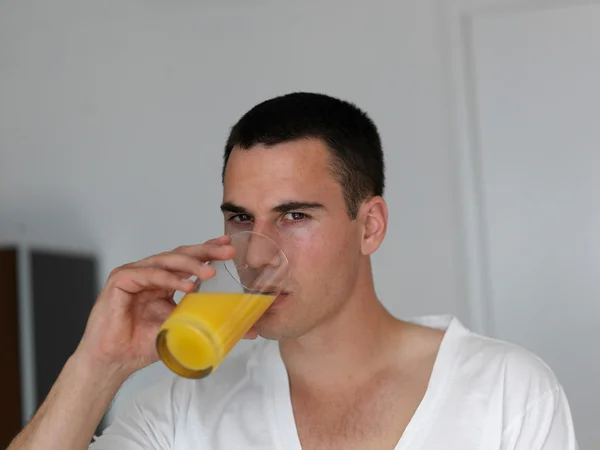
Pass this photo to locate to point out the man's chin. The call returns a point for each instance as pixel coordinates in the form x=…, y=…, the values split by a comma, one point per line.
x=279, y=321
x=267, y=328
x=273, y=329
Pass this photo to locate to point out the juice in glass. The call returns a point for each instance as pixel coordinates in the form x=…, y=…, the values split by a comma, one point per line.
x=206, y=326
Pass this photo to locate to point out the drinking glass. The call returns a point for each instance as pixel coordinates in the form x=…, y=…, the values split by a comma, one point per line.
x=216, y=314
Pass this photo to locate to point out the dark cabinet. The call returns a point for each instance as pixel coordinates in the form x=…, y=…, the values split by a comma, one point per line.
x=45, y=300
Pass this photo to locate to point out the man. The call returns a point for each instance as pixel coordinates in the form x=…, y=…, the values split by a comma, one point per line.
x=336, y=370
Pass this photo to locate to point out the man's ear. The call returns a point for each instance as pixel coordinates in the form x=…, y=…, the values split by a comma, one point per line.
x=374, y=218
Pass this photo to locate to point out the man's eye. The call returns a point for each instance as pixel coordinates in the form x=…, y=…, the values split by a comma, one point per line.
x=295, y=216
x=240, y=218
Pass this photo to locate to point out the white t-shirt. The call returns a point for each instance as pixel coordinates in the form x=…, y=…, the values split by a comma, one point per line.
x=483, y=394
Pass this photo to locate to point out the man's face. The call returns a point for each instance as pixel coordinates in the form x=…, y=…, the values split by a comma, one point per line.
x=288, y=193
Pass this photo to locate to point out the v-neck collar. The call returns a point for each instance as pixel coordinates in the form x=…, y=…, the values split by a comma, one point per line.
x=443, y=367
x=278, y=390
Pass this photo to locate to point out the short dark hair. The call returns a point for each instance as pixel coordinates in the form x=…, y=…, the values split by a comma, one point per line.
x=350, y=135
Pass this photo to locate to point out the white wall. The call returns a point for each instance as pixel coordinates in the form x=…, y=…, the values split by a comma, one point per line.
x=522, y=79
x=539, y=106
x=113, y=116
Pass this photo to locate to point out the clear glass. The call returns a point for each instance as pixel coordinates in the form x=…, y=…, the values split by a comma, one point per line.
x=211, y=319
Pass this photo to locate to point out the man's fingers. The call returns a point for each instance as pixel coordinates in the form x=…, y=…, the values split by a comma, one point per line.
x=180, y=264
x=136, y=279
x=190, y=260
x=208, y=252
x=171, y=270
x=221, y=240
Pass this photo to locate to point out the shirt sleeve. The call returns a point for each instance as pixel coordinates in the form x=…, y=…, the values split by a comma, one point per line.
x=545, y=425
x=147, y=424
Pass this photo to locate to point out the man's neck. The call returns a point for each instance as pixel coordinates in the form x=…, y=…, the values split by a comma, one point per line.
x=346, y=349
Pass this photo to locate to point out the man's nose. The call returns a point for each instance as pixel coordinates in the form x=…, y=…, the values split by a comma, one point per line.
x=261, y=252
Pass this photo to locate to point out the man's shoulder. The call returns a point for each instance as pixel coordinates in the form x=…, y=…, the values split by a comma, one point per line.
x=477, y=361
x=494, y=365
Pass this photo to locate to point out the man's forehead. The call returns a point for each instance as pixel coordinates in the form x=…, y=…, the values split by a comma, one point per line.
x=271, y=189
x=294, y=157
x=261, y=178
x=270, y=195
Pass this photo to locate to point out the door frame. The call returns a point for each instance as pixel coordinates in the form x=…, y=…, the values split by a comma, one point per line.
x=455, y=18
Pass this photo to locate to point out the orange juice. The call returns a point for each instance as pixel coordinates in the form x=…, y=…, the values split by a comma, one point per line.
x=204, y=328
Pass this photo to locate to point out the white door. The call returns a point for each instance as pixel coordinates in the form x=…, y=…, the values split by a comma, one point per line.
x=533, y=81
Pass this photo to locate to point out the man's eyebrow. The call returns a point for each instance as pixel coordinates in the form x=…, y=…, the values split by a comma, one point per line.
x=233, y=208
x=295, y=206
x=281, y=208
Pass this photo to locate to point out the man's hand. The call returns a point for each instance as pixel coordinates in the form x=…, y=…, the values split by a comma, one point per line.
x=136, y=300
